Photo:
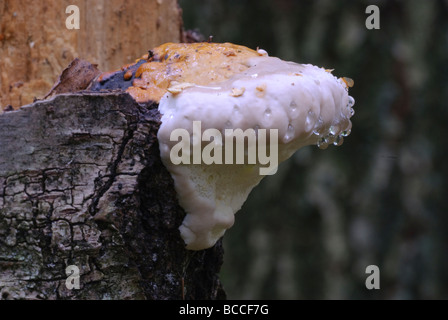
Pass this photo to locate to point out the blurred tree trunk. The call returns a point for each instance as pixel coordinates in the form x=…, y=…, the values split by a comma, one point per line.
x=81, y=180
x=35, y=44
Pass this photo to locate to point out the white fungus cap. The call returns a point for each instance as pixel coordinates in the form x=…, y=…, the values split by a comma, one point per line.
x=307, y=104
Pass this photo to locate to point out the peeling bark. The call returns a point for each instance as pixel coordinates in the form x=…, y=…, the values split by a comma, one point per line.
x=82, y=183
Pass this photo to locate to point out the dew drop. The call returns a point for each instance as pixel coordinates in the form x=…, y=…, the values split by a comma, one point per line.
x=352, y=112
x=346, y=133
x=228, y=124
x=332, y=131
x=310, y=121
x=268, y=113
x=318, y=126
x=293, y=105
x=339, y=140
x=294, y=111
x=330, y=138
x=289, y=133
x=351, y=102
x=322, y=143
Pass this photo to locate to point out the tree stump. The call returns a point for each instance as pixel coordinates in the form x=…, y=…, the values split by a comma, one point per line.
x=82, y=184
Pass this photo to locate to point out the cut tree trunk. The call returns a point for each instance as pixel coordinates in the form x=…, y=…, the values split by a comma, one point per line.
x=82, y=184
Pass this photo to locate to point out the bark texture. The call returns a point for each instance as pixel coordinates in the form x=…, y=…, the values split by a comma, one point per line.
x=35, y=45
x=82, y=183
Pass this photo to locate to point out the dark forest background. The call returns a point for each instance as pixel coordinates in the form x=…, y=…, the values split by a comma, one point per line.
x=310, y=231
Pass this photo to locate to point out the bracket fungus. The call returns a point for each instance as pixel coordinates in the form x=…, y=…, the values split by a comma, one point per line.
x=208, y=93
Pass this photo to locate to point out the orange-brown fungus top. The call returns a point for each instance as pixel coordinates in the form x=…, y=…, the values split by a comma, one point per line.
x=197, y=63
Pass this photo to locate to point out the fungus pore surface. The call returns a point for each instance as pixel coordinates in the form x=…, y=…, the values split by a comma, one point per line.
x=226, y=86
